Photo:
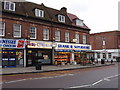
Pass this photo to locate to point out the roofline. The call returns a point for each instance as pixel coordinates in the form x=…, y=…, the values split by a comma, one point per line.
x=105, y=32
x=48, y=21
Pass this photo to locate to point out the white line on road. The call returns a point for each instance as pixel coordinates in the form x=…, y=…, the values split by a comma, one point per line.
x=97, y=82
x=80, y=86
x=106, y=79
x=38, y=78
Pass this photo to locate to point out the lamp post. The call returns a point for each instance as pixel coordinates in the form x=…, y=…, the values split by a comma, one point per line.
x=53, y=48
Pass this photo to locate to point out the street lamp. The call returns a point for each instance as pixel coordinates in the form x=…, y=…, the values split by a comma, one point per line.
x=53, y=48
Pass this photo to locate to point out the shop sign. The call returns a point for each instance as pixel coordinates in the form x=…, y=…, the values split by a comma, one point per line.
x=70, y=46
x=12, y=43
x=40, y=44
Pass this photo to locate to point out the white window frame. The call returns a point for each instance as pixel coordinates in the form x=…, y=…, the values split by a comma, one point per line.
x=33, y=32
x=77, y=37
x=17, y=30
x=9, y=7
x=39, y=13
x=57, y=35
x=67, y=37
x=61, y=18
x=79, y=22
x=45, y=34
x=2, y=28
x=84, y=39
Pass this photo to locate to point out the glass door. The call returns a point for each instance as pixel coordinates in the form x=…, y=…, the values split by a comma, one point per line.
x=8, y=58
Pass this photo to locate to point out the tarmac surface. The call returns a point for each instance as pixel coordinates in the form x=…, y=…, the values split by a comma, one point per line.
x=47, y=68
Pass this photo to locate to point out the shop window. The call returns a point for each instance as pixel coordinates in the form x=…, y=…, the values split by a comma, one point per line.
x=32, y=32
x=2, y=28
x=67, y=38
x=98, y=55
x=17, y=30
x=57, y=35
x=39, y=13
x=104, y=55
x=9, y=6
x=109, y=55
x=45, y=34
x=77, y=37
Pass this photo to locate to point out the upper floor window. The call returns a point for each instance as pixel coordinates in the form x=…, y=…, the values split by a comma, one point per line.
x=32, y=32
x=79, y=22
x=9, y=6
x=17, y=30
x=98, y=55
x=61, y=18
x=39, y=13
x=67, y=38
x=2, y=28
x=57, y=35
x=84, y=39
x=45, y=34
x=109, y=55
x=77, y=37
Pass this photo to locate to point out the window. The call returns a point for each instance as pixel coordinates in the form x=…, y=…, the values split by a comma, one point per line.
x=2, y=28
x=109, y=55
x=104, y=55
x=57, y=35
x=98, y=55
x=9, y=6
x=32, y=32
x=79, y=22
x=39, y=13
x=84, y=39
x=61, y=18
x=77, y=37
x=45, y=34
x=17, y=30
x=67, y=37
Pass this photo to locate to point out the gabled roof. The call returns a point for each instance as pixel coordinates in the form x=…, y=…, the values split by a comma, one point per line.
x=28, y=9
x=73, y=18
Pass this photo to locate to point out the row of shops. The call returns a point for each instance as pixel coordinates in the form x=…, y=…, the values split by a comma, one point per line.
x=17, y=53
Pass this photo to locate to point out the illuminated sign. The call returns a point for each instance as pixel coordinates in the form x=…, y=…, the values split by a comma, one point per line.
x=71, y=46
x=40, y=44
x=12, y=43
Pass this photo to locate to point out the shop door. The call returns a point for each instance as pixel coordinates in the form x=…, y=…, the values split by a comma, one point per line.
x=31, y=59
x=8, y=58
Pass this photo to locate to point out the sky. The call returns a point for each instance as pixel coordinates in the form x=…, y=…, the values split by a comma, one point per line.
x=98, y=15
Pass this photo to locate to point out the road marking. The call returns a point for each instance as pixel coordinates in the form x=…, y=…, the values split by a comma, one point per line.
x=38, y=78
x=80, y=86
x=97, y=82
x=106, y=79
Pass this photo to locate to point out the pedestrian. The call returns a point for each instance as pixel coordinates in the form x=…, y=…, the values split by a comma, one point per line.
x=92, y=59
x=111, y=61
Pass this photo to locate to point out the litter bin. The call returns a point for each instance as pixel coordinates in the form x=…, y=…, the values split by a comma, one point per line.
x=38, y=65
x=102, y=61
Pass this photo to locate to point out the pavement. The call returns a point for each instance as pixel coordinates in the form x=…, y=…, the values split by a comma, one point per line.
x=47, y=68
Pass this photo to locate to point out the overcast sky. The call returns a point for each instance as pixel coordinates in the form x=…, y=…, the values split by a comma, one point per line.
x=98, y=15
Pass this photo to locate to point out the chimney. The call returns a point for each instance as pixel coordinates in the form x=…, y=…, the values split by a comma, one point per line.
x=63, y=9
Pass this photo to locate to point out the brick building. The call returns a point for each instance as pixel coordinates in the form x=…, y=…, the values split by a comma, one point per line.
x=106, y=45
x=31, y=32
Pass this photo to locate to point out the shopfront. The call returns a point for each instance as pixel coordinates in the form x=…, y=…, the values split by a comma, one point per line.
x=12, y=52
x=71, y=53
x=39, y=51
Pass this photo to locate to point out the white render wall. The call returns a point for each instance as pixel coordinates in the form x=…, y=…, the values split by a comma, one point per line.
x=114, y=52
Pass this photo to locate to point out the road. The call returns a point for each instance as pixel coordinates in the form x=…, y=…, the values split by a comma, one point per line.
x=99, y=77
